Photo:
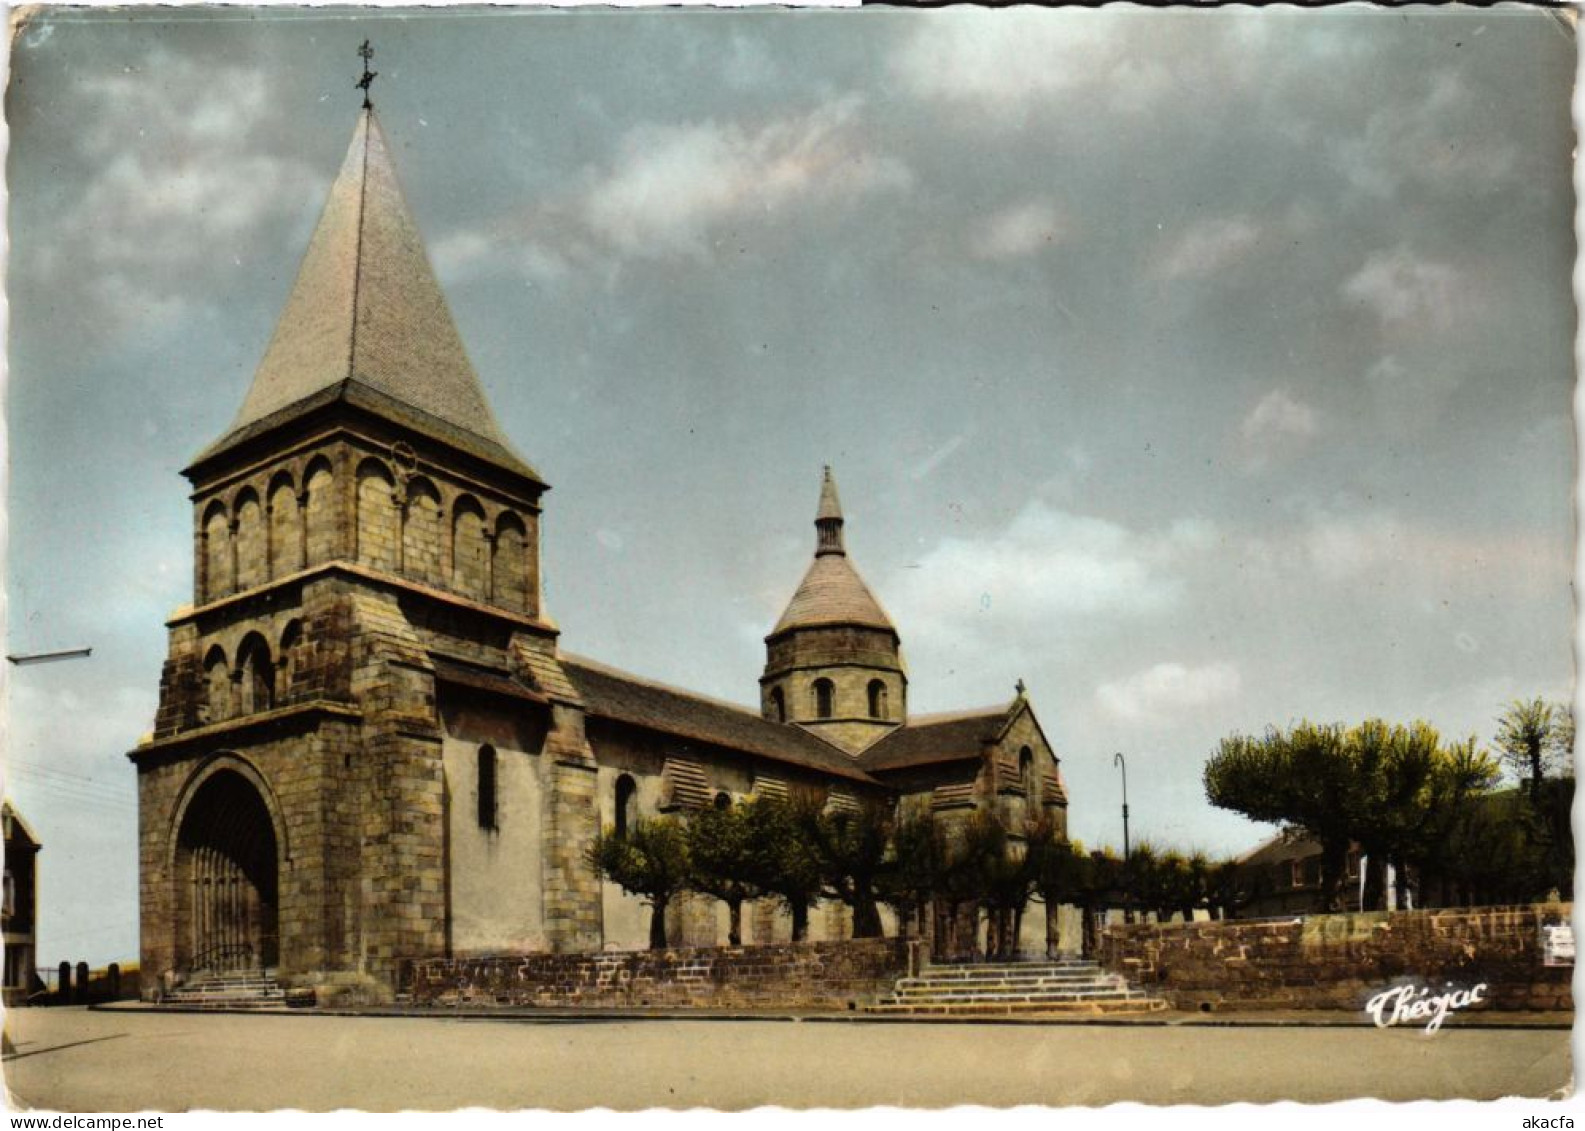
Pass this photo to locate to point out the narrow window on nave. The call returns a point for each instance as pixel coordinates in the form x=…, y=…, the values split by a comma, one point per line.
x=626, y=805
x=487, y=806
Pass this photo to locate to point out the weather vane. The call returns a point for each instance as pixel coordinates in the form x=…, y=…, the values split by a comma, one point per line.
x=366, y=53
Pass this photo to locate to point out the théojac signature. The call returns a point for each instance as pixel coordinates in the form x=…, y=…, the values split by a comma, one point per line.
x=1410, y=1002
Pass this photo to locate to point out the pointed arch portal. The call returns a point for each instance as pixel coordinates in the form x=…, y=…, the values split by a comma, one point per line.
x=227, y=877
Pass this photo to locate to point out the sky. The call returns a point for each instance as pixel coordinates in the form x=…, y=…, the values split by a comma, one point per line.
x=1205, y=370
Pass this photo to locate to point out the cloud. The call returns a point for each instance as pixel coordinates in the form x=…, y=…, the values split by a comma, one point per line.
x=673, y=192
x=1018, y=56
x=1011, y=59
x=927, y=466
x=1279, y=425
x=1209, y=247
x=1440, y=139
x=1412, y=395
x=1159, y=693
x=184, y=179
x=673, y=187
x=1403, y=291
x=105, y=724
x=1342, y=547
x=1017, y=231
x=1049, y=571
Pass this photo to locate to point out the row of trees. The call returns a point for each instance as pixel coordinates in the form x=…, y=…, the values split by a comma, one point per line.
x=1407, y=797
x=944, y=877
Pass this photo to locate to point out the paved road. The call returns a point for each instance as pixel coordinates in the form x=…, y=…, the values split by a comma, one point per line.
x=76, y=1060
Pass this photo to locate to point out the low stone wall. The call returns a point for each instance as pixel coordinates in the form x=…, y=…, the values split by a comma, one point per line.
x=808, y=976
x=1341, y=961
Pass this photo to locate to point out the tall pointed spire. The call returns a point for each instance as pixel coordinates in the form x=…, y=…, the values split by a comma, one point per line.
x=828, y=519
x=832, y=592
x=366, y=322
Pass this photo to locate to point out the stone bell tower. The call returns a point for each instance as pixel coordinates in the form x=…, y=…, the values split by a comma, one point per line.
x=364, y=536
x=834, y=662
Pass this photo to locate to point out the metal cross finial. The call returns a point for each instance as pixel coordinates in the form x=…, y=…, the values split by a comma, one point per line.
x=366, y=53
x=1019, y=687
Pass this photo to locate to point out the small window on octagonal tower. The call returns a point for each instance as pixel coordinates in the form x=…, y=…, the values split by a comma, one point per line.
x=825, y=693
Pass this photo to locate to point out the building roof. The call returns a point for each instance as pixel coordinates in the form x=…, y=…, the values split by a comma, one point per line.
x=929, y=739
x=622, y=697
x=16, y=827
x=366, y=323
x=1280, y=848
x=832, y=592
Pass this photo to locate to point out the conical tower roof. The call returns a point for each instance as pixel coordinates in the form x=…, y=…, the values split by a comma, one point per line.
x=832, y=592
x=366, y=323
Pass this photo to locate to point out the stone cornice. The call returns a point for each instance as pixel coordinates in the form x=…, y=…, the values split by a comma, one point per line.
x=218, y=734
x=190, y=613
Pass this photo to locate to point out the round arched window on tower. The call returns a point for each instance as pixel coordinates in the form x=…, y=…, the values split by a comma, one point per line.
x=825, y=695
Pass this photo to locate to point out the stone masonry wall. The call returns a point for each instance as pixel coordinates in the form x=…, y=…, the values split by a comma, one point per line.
x=1341, y=961
x=813, y=976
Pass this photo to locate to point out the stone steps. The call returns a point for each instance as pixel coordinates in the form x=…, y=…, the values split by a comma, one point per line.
x=1013, y=993
x=1067, y=986
x=1057, y=981
x=245, y=990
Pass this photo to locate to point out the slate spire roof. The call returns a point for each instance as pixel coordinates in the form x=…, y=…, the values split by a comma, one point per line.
x=366, y=322
x=832, y=592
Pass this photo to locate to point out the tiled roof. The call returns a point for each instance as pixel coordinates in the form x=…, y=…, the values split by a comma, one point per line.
x=842, y=800
x=483, y=679
x=16, y=827
x=619, y=696
x=683, y=784
x=366, y=322
x=832, y=592
x=952, y=795
x=767, y=786
x=940, y=738
x=1280, y=849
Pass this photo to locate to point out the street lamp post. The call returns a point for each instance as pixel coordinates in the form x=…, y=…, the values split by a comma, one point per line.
x=1121, y=762
x=1128, y=907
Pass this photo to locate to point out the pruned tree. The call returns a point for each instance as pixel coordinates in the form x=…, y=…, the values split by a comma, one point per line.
x=919, y=861
x=1536, y=738
x=651, y=861
x=720, y=851
x=854, y=848
x=1303, y=778
x=1057, y=874
x=780, y=859
x=989, y=868
x=1383, y=786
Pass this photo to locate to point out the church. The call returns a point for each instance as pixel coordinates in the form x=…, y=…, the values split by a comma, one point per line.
x=370, y=745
